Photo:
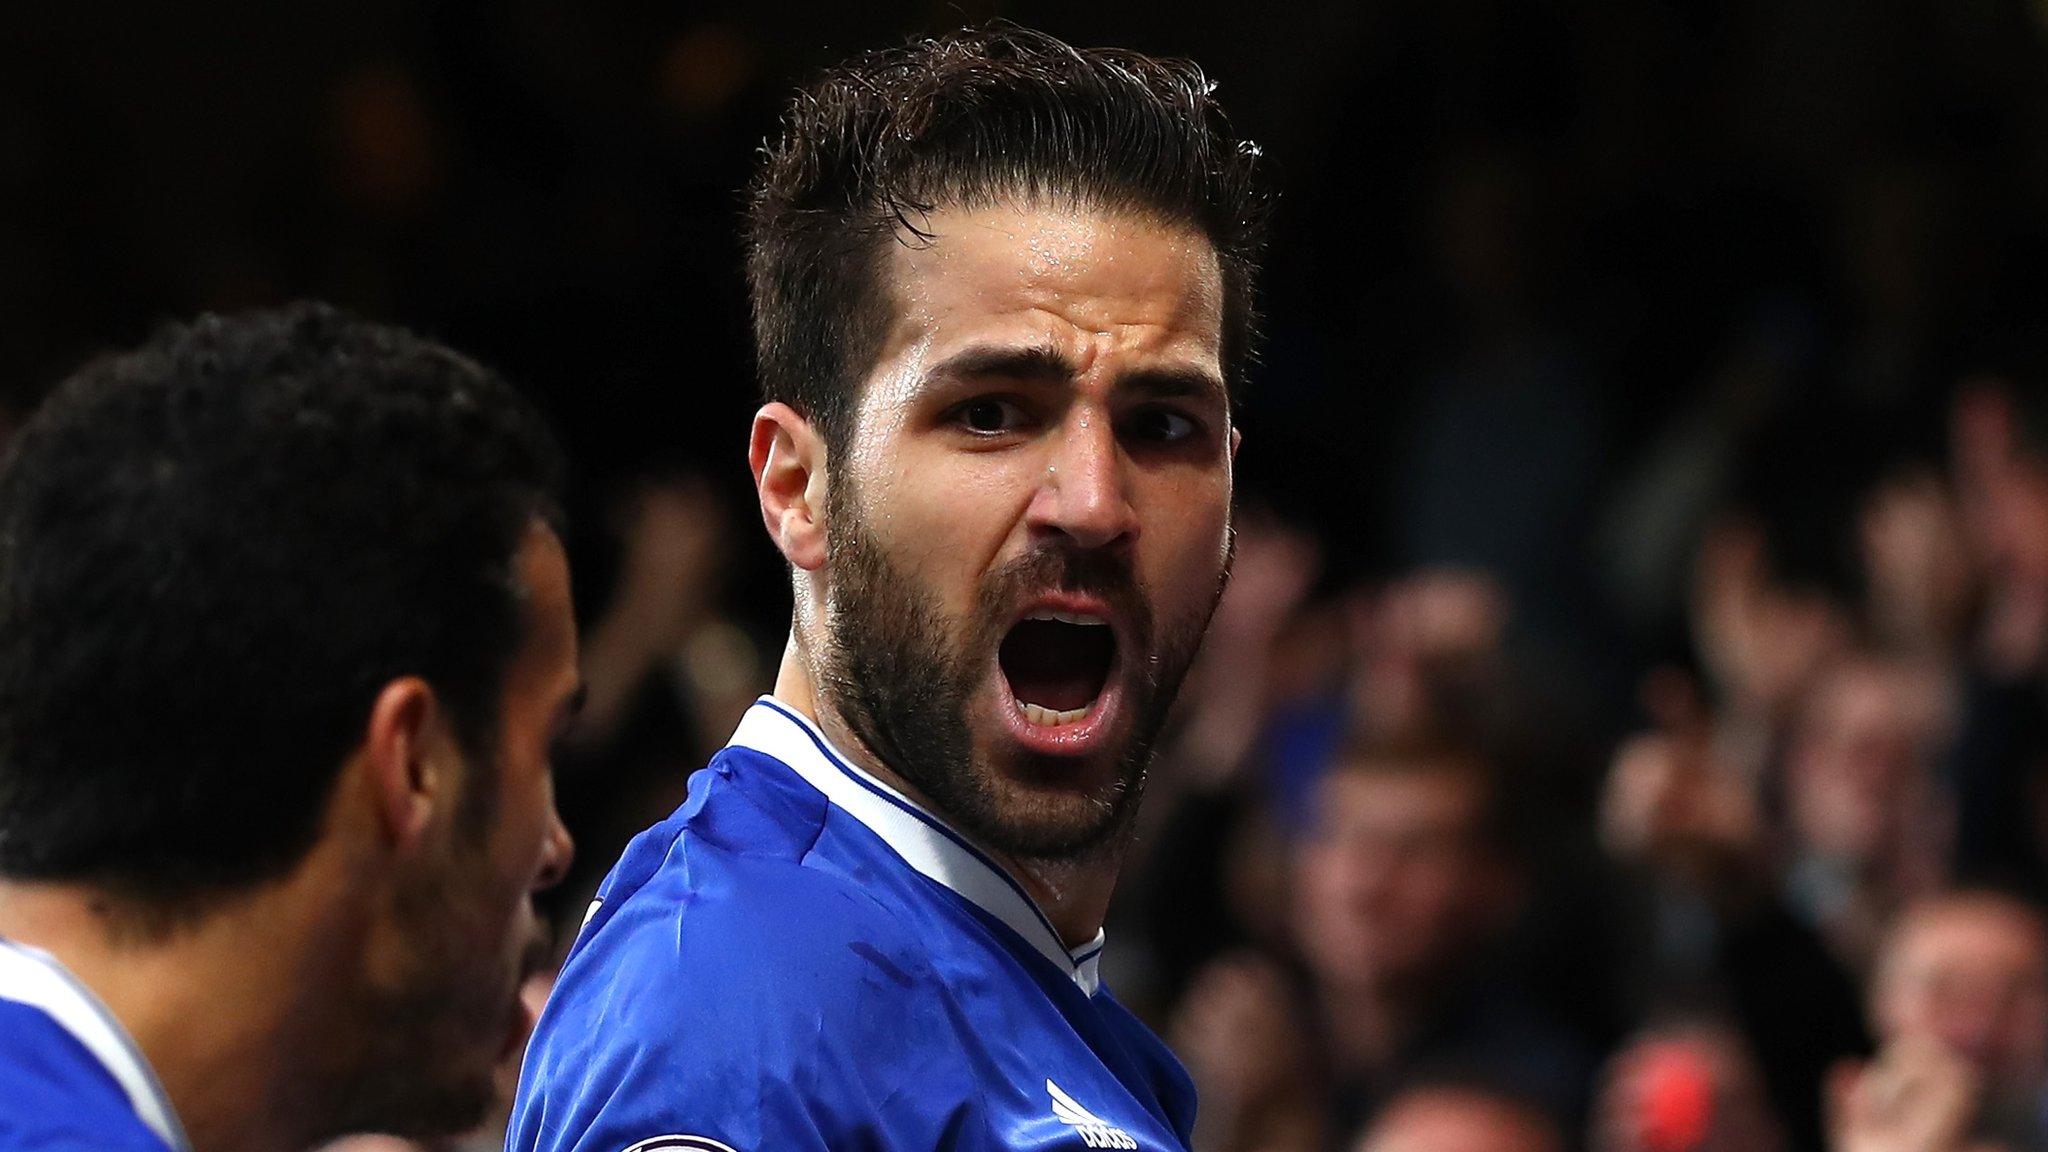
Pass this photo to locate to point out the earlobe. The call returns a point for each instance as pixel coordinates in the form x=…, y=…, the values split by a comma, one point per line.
x=401, y=746
x=788, y=460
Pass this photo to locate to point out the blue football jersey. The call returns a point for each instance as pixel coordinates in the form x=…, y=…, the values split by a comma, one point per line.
x=801, y=958
x=71, y=1080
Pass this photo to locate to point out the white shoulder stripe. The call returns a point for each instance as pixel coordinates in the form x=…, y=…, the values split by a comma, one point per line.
x=776, y=730
x=33, y=977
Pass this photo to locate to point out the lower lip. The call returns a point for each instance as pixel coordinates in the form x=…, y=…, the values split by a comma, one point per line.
x=1078, y=738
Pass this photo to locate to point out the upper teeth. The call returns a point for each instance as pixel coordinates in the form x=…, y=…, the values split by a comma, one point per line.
x=1068, y=617
x=1052, y=718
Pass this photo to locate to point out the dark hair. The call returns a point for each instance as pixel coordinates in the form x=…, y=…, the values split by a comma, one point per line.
x=966, y=120
x=1363, y=752
x=214, y=552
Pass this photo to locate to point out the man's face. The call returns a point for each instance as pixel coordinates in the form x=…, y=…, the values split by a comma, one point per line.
x=1390, y=879
x=450, y=1011
x=1972, y=974
x=1030, y=524
x=1858, y=762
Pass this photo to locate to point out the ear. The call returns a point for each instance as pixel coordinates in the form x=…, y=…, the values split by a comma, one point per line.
x=1236, y=439
x=788, y=459
x=407, y=750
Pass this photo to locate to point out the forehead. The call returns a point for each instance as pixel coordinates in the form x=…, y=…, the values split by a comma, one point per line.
x=1875, y=700
x=1083, y=280
x=1375, y=787
x=1976, y=935
x=1451, y=1121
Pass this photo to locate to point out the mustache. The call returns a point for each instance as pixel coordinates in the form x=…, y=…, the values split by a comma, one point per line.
x=1109, y=576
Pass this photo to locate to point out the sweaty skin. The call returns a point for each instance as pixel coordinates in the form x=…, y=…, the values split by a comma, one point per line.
x=1053, y=381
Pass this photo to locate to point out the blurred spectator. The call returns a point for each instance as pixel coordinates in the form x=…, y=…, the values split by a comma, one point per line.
x=1688, y=828
x=1688, y=1086
x=1761, y=639
x=662, y=633
x=1917, y=1097
x=2001, y=475
x=1867, y=817
x=1402, y=880
x=1431, y=653
x=669, y=673
x=1918, y=577
x=1999, y=765
x=1245, y=1036
x=1456, y=1117
x=1967, y=973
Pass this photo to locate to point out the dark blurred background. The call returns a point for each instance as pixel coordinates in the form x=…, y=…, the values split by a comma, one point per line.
x=1631, y=703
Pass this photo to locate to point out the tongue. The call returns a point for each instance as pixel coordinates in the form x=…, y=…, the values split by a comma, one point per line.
x=1056, y=666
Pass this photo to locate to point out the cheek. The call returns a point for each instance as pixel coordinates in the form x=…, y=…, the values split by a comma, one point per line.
x=1313, y=898
x=945, y=526
x=1191, y=519
x=525, y=821
x=2027, y=1027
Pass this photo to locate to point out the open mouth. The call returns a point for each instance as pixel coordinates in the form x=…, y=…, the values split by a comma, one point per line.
x=1057, y=664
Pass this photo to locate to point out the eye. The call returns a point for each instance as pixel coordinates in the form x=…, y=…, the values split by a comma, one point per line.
x=1162, y=426
x=989, y=415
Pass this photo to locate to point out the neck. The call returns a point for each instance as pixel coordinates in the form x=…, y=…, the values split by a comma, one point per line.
x=220, y=1009
x=1073, y=894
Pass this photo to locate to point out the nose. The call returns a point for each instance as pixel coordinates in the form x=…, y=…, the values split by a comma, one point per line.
x=558, y=850
x=1085, y=492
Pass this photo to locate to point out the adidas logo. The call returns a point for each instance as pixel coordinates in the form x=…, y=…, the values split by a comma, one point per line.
x=1095, y=1131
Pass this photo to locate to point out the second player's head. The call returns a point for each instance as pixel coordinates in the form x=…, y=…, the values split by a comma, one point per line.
x=1002, y=296
x=285, y=637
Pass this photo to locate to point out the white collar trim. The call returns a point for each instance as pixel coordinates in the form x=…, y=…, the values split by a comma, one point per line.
x=33, y=977
x=775, y=729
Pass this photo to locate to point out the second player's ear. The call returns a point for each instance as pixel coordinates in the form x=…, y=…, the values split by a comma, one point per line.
x=405, y=757
x=788, y=459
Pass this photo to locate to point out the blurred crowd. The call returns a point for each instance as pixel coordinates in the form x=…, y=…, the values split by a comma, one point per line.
x=1800, y=889
x=1627, y=727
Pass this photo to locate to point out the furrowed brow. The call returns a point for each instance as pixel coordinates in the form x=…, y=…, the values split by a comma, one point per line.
x=1038, y=364
x=1176, y=383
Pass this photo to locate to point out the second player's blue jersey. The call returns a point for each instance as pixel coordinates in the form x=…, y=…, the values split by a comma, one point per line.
x=801, y=959
x=70, y=1078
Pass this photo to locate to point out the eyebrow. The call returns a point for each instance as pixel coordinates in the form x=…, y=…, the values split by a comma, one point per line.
x=1037, y=364
x=1045, y=364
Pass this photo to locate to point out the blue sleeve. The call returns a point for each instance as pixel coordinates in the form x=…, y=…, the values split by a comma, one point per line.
x=797, y=1019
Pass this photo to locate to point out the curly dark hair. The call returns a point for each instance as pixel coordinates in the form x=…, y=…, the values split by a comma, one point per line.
x=976, y=117
x=214, y=552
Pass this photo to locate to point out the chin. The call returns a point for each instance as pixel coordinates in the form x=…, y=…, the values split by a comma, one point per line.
x=420, y=1098
x=458, y=1107
x=1054, y=807
x=436, y=1043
